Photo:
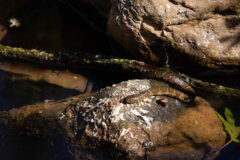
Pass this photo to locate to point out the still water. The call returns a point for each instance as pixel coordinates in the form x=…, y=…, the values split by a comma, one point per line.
x=23, y=84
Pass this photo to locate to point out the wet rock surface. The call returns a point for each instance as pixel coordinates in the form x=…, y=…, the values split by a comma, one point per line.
x=206, y=33
x=103, y=123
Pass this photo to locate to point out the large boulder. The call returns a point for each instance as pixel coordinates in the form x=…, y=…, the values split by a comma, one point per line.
x=203, y=33
x=102, y=123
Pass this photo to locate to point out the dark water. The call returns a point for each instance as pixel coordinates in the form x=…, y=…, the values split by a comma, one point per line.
x=20, y=86
x=16, y=93
x=55, y=26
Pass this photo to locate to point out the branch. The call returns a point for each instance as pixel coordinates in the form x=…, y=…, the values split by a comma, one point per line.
x=84, y=60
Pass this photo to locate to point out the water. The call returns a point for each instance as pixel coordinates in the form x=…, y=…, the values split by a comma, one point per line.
x=57, y=28
x=23, y=84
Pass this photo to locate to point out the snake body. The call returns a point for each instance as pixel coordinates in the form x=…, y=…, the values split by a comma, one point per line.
x=155, y=92
x=174, y=79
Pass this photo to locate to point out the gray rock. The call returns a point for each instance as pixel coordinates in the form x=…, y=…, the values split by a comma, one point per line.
x=103, y=123
x=203, y=33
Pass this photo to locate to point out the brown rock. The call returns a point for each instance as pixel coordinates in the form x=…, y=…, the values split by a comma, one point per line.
x=190, y=126
x=205, y=32
x=103, y=123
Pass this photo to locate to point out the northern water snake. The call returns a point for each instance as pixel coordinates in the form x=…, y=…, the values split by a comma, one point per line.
x=168, y=91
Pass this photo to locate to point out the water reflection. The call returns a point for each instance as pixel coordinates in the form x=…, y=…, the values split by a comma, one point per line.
x=22, y=84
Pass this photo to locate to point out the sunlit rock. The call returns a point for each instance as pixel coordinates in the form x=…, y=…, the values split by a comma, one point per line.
x=103, y=123
x=203, y=33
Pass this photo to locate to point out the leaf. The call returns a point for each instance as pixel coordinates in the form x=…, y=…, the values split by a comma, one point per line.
x=229, y=125
x=230, y=117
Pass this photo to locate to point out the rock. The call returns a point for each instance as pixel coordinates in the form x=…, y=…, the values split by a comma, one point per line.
x=203, y=33
x=102, y=123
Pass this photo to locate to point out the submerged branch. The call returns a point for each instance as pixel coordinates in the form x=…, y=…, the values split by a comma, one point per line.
x=80, y=60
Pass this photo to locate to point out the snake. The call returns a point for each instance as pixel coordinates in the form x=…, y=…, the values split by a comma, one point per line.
x=167, y=91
